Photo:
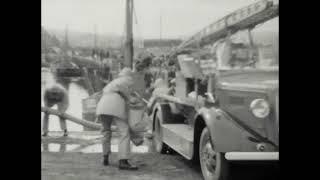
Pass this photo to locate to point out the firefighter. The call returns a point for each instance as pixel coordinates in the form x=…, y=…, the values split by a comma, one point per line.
x=143, y=76
x=55, y=94
x=140, y=67
x=113, y=106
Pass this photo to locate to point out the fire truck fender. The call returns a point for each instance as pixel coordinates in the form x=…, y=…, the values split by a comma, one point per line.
x=152, y=105
x=164, y=111
x=225, y=134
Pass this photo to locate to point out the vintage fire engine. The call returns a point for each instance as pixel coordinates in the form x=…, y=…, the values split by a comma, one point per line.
x=224, y=108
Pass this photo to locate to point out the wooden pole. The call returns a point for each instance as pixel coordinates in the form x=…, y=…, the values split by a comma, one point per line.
x=129, y=35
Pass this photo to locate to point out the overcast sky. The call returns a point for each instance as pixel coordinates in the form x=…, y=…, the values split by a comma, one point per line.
x=179, y=17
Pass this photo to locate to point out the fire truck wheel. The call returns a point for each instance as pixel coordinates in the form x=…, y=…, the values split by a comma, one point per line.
x=213, y=164
x=160, y=146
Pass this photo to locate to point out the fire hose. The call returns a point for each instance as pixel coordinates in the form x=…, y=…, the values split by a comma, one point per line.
x=82, y=122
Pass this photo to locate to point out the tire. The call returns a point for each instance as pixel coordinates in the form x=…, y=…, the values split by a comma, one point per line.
x=160, y=146
x=213, y=164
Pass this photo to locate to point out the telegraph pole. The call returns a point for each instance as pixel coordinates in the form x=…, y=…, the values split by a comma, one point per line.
x=129, y=35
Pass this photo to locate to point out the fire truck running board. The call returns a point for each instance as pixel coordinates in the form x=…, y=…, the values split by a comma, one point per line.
x=180, y=138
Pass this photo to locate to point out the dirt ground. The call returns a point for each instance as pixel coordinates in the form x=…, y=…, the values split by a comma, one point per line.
x=64, y=163
x=72, y=166
x=79, y=158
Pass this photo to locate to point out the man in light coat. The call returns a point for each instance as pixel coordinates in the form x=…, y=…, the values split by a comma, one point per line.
x=113, y=106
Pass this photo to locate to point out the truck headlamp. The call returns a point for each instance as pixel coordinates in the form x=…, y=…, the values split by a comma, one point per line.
x=260, y=108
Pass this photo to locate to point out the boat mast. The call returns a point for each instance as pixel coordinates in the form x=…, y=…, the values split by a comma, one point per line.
x=45, y=47
x=95, y=47
x=160, y=28
x=66, y=41
x=95, y=37
x=66, y=38
x=129, y=35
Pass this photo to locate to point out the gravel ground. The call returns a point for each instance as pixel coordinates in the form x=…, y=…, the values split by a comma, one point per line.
x=77, y=161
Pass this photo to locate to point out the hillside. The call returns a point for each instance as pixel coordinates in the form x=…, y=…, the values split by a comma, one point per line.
x=48, y=40
x=86, y=39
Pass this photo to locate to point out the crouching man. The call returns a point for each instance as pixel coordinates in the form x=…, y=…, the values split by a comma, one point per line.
x=55, y=94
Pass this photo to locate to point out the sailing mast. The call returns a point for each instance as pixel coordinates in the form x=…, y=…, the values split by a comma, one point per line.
x=95, y=38
x=160, y=28
x=45, y=47
x=66, y=39
x=95, y=47
x=66, y=45
x=128, y=54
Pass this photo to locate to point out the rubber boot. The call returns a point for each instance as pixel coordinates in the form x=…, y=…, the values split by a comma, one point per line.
x=125, y=165
x=105, y=160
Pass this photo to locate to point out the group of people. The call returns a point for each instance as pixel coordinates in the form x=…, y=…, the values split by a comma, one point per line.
x=113, y=106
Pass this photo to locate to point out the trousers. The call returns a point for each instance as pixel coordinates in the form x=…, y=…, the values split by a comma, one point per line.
x=63, y=124
x=124, y=139
x=45, y=128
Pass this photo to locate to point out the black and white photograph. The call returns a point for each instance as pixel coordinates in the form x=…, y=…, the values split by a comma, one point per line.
x=159, y=89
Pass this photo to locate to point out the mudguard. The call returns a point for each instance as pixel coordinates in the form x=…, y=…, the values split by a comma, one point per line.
x=151, y=105
x=226, y=135
x=165, y=112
